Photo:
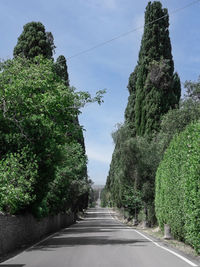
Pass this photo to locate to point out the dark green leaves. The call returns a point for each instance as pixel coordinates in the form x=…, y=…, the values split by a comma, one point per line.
x=34, y=41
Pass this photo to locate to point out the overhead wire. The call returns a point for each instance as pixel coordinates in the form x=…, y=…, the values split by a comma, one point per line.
x=131, y=31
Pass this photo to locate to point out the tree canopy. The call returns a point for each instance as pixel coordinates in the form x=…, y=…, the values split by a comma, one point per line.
x=34, y=41
x=153, y=86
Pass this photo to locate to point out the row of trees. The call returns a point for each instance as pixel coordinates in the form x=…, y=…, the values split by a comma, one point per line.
x=154, y=89
x=154, y=115
x=43, y=166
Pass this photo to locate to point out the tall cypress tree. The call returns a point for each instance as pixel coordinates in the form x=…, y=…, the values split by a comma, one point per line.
x=155, y=87
x=34, y=41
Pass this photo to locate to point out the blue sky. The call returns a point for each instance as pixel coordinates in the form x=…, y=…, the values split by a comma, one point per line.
x=82, y=24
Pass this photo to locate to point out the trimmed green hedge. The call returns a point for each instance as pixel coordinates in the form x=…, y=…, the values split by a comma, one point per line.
x=177, y=199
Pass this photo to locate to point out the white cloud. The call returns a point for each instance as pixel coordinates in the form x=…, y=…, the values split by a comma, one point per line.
x=99, y=153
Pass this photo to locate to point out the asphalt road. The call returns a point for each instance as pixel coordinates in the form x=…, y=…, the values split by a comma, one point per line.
x=99, y=240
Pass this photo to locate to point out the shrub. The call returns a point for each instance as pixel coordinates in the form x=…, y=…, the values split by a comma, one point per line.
x=18, y=172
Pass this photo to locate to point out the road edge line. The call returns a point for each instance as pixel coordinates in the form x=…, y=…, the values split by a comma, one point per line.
x=155, y=243
x=167, y=249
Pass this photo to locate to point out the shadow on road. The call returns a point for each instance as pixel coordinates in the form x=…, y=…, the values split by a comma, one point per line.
x=59, y=241
x=12, y=265
x=94, y=230
x=90, y=230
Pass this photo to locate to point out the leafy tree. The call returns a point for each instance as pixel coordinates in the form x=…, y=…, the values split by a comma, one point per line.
x=35, y=114
x=34, y=41
x=193, y=91
x=176, y=120
x=70, y=181
x=131, y=200
x=37, y=111
x=39, y=114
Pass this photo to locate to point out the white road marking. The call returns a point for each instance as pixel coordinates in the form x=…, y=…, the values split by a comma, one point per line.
x=169, y=250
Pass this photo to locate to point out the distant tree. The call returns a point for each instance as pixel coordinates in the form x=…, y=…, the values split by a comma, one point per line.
x=61, y=69
x=34, y=41
x=193, y=91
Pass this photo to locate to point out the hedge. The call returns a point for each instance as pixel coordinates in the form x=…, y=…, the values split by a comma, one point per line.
x=177, y=200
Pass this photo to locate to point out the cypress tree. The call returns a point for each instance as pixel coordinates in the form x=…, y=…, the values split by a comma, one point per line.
x=130, y=112
x=34, y=41
x=62, y=72
x=61, y=69
x=156, y=88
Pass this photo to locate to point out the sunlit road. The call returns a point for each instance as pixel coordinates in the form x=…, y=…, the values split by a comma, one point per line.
x=101, y=241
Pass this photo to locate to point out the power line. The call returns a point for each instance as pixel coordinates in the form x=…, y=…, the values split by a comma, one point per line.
x=131, y=31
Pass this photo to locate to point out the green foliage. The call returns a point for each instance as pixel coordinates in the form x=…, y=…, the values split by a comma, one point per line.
x=132, y=173
x=131, y=199
x=178, y=186
x=104, y=198
x=176, y=120
x=94, y=196
x=135, y=159
x=38, y=111
x=159, y=97
x=34, y=41
x=70, y=180
x=61, y=69
x=36, y=114
x=18, y=173
x=130, y=112
x=153, y=87
x=42, y=151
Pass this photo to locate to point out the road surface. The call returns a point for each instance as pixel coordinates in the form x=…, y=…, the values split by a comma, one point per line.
x=99, y=241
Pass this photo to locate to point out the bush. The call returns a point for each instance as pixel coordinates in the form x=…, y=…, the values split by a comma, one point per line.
x=177, y=199
x=18, y=173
